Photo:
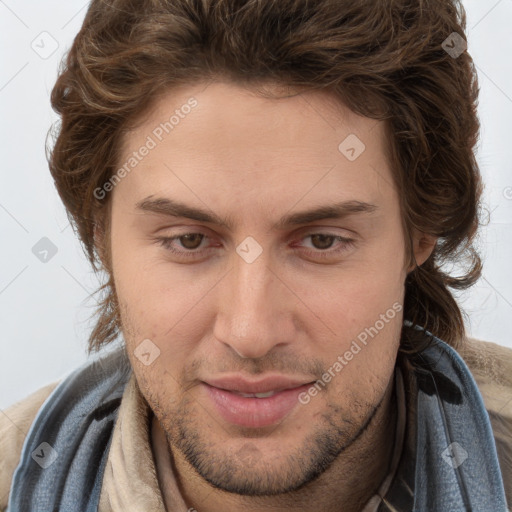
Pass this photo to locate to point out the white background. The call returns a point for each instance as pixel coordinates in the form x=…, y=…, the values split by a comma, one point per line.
x=44, y=307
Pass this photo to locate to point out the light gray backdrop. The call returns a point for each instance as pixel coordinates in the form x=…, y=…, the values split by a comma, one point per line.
x=44, y=305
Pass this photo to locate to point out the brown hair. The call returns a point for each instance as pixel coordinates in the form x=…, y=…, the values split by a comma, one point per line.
x=384, y=59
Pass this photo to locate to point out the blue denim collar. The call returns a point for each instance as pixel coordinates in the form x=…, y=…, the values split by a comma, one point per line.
x=449, y=460
x=64, y=454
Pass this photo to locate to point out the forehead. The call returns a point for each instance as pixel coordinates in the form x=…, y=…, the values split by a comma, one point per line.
x=232, y=139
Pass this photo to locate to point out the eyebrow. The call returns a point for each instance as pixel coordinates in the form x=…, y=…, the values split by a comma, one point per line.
x=173, y=208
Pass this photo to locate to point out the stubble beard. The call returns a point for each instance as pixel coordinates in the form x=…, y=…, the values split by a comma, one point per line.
x=248, y=472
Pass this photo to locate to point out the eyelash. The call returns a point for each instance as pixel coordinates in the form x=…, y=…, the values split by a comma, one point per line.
x=165, y=242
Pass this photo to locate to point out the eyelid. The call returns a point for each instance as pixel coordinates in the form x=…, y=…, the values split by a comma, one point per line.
x=323, y=230
x=300, y=232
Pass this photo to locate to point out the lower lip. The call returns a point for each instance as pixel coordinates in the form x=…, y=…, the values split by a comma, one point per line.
x=254, y=412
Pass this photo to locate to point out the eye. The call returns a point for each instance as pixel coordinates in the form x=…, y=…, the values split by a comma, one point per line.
x=189, y=241
x=188, y=245
x=322, y=243
x=322, y=240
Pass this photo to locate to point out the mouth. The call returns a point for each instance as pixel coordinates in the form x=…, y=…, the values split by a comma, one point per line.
x=255, y=395
x=250, y=405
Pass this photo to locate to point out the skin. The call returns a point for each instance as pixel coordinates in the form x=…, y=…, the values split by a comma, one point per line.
x=291, y=311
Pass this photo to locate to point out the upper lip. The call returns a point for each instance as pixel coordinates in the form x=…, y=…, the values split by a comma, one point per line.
x=263, y=385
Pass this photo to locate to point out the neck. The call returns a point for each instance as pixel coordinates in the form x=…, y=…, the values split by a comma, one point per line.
x=351, y=480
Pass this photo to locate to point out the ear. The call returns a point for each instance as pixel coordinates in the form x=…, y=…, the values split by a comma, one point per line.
x=422, y=245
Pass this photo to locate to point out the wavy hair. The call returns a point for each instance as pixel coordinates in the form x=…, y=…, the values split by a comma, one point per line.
x=384, y=59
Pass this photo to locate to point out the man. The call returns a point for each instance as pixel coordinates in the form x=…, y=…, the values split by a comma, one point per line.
x=271, y=188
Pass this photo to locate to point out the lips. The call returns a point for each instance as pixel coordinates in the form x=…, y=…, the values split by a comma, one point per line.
x=254, y=404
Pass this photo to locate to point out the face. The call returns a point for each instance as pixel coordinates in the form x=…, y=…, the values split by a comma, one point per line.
x=228, y=288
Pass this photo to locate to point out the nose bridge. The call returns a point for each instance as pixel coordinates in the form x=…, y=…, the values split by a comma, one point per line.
x=249, y=310
x=250, y=287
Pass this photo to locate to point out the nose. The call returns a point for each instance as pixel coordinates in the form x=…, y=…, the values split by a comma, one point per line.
x=254, y=309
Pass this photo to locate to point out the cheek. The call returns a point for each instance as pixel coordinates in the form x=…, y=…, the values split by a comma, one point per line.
x=164, y=307
x=355, y=297
x=364, y=365
x=159, y=373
